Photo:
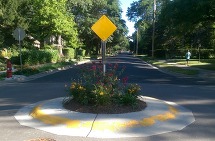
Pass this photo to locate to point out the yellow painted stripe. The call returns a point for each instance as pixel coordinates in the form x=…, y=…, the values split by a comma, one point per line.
x=103, y=125
x=53, y=120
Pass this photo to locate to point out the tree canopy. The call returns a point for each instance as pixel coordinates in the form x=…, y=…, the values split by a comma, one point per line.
x=69, y=21
x=180, y=24
x=87, y=12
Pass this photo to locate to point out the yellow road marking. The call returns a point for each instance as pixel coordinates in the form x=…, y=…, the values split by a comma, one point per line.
x=53, y=120
x=103, y=125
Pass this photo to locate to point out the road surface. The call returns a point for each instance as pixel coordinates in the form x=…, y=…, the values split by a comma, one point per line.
x=195, y=94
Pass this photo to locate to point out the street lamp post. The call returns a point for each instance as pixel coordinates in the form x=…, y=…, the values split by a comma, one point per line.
x=153, y=28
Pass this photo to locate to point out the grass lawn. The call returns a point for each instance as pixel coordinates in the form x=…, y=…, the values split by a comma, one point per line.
x=207, y=64
x=172, y=65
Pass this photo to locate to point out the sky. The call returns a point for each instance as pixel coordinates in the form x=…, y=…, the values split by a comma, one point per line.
x=125, y=4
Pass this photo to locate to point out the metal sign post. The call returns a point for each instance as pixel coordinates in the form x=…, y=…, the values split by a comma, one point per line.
x=103, y=44
x=19, y=34
x=104, y=28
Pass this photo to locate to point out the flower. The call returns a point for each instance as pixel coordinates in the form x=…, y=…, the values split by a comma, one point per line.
x=124, y=80
x=115, y=66
x=72, y=87
x=81, y=88
x=98, y=89
x=110, y=74
x=94, y=67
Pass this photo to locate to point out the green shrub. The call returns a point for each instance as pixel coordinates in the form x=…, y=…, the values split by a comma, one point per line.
x=34, y=57
x=69, y=53
x=14, y=51
x=49, y=47
x=26, y=57
x=2, y=68
x=15, y=60
x=53, y=56
x=80, y=52
x=2, y=76
x=95, y=88
x=80, y=58
x=42, y=57
x=27, y=71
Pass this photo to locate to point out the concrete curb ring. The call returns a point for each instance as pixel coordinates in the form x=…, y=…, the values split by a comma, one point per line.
x=157, y=118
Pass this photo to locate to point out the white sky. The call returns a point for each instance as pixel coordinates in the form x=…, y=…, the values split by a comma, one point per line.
x=125, y=4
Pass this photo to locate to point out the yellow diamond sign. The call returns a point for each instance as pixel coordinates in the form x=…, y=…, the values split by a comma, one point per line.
x=104, y=28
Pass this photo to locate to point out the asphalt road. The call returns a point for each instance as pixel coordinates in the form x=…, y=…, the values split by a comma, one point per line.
x=136, y=70
x=193, y=93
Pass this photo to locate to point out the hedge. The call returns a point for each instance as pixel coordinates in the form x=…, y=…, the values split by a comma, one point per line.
x=34, y=57
x=69, y=53
x=80, y=52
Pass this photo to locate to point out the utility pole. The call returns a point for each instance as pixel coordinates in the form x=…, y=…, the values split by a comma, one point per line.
x=137, y=43
x=153, y=30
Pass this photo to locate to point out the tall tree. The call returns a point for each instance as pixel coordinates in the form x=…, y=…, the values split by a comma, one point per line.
x=87, y=12
x=50, y=17
x=190, y=22
x=141, y=12
x=10, y=18
x=114, y=12
x=179, y=23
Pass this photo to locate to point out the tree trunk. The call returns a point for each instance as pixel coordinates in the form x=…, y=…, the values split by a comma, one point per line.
x=42, y=43
x=59, y=44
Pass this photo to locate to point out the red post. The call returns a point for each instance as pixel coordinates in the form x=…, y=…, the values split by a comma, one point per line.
x=9, y=69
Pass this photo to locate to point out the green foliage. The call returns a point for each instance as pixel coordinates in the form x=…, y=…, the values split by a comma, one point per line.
x=129, y=97
x=180, y=53
x=95, y=88
x=69, y=19
x=51, y=17
x=2, y=76
x=79, y=58
x=11, y=17
x=80, y=52
x=27, y=71
x=140, y=8
x=69, y=53
x=51, y=56
x=8, y=53
x=81, y=93
x=87, y=12
x=180, y=24
x=35, y=57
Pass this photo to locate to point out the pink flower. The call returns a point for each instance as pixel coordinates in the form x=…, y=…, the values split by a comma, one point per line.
x=115, y=66
x=125, y=80
x=94, y=67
